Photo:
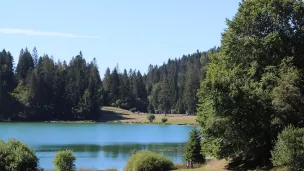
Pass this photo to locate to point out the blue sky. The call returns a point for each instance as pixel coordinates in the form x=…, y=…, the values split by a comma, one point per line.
x=132, y=33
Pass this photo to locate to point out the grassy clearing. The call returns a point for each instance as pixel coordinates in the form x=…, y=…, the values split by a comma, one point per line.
x=117, y=115
x=212, y=165
x=205, y=168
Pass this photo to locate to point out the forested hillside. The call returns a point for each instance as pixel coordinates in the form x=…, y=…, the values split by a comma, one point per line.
x=169, y=88
x=42, y=89
x=38, y=88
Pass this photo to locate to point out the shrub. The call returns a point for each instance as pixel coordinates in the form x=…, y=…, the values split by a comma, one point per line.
x=133, y=110
x=151, y=117
x=148, y=161
x=14, y=155
x=288, y=152
x=193, y=148
x=64, y=161
x=118, y=103
x=164, y=120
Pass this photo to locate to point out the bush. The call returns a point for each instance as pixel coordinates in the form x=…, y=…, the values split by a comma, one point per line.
x=148, y=161
x=14, y=155
x=193, y=148
x=164, y=120
x=288, y=152
x=118, y=103
x=151, y=118
x=64, y=161
x=133, y=110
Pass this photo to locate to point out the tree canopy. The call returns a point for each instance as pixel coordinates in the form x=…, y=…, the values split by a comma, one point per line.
x=169, y=88
x=253, y=86
x=43, y=90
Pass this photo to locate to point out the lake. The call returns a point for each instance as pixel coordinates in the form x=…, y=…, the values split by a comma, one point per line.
x=98, y=146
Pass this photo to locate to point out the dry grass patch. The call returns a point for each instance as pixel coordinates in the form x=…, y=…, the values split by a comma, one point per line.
x=113, y=114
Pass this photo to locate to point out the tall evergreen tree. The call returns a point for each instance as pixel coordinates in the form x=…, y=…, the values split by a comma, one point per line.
x=115, y=86
x=164, y=96
x=125, y=91
x=35, y=57
x=25, y=64
x=192, y=77
x=193, y=147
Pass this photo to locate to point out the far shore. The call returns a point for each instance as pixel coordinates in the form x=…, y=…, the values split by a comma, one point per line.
x=100, y=122
x=113, y=115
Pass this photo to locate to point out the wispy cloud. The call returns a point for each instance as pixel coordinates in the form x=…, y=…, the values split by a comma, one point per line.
x=42, y=33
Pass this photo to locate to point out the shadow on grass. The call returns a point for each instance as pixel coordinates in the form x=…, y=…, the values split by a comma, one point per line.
x=108, y=116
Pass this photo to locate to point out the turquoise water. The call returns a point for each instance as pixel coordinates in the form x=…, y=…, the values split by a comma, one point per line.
x=98, y=146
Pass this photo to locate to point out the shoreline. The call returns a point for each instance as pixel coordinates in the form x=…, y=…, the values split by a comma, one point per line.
x=101, y=122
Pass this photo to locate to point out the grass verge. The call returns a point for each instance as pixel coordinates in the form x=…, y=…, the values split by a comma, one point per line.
x=117, y=115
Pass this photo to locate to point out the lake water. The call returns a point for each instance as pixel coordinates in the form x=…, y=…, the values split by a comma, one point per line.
x=98, y=146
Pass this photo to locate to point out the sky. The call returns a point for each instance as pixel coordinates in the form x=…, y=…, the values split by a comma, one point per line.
x=130, y=33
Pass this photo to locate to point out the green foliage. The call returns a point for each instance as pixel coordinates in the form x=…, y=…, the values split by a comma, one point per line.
x=133, y=110
x=253, y=86
x=172, y=86
x=25, y=64
x=151, y=117
x=49, y=90
x=164, y=96
x=148, y=161
x=288, y=151
x=17, y=156
x=164, y=120
x=193, y=147
x=42, y=89
x=191, y=86
x=7, y=84
x=118, y=103
x=64, y=161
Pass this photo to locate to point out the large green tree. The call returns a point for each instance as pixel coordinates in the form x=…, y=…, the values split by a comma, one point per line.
x=253, y=87
x=7, y=84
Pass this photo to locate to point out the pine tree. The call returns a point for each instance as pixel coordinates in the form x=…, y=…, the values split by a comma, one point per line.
x=25, y=64
x=106, y=86
x=191, y=86
x=125, y=89
x=7, y=84
x=115, y=86
x=35, y=57
x=193, y=147
x=164, y=96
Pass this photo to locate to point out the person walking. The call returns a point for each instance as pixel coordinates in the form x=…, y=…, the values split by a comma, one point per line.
x=188, y=164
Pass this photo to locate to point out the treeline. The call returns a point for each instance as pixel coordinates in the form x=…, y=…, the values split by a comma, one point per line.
x=254, y=88
x=40, y=89
x=170, y=88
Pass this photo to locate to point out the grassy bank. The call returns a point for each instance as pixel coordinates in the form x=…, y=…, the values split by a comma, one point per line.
x=117, y=115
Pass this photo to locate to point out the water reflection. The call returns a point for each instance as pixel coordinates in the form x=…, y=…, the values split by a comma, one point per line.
x=113, y=151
